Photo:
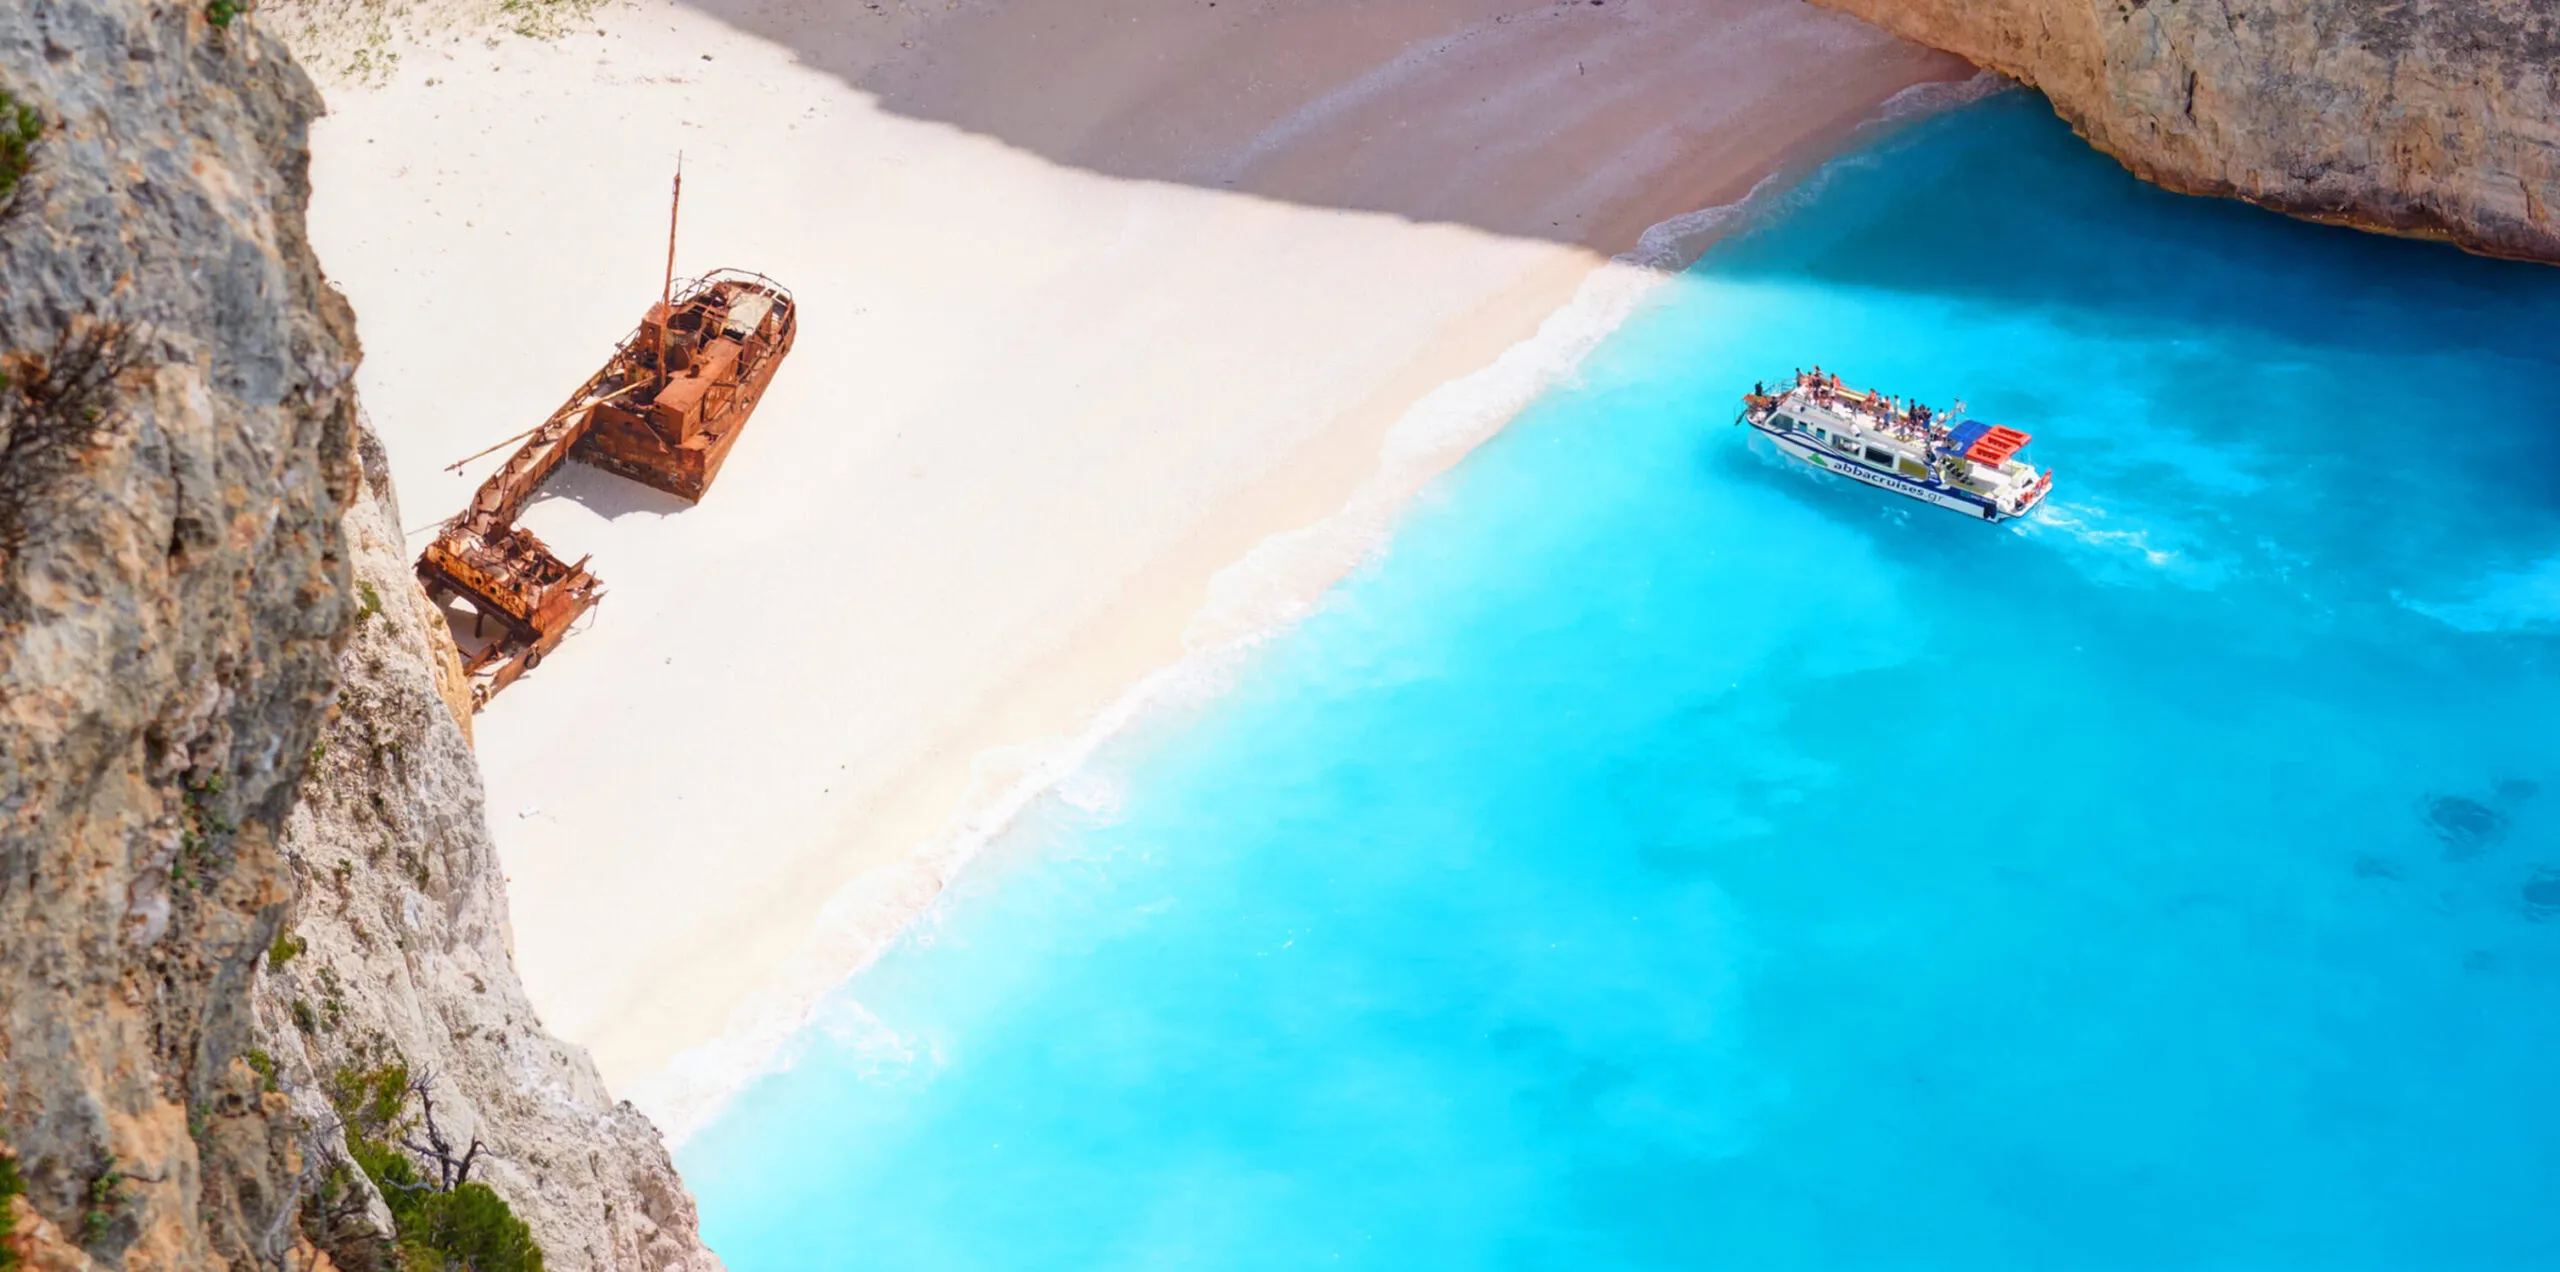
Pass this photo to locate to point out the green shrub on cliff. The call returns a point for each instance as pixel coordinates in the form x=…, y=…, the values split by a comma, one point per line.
x=264, y=1066
x=20, y=125
x=448, y=1223
x=467, y=1230
x=11, y=1184
x=107, y=1202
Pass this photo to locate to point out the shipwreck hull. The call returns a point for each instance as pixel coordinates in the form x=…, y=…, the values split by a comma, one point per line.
x=671, y=427
x=729, y=333
x=630, y=443
x=511, y=579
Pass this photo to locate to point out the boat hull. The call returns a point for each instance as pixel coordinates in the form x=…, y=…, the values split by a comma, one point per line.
x=1797, y=447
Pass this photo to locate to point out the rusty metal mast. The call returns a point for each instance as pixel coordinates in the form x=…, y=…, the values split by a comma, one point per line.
x=667, y=290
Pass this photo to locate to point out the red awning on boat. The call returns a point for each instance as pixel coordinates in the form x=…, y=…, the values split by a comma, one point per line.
x=1996, y=446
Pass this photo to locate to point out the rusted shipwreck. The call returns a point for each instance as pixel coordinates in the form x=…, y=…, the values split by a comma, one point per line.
x=665, y=411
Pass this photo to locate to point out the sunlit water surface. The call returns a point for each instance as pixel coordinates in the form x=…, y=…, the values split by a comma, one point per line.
x=1661, y=858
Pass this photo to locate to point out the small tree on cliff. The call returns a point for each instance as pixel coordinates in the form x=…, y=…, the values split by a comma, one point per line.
x=444, y=1220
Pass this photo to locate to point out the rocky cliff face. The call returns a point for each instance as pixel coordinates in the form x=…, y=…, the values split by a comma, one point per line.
x=398, y=944
x=179, y=447
x=2435, y=118
x=179, y=473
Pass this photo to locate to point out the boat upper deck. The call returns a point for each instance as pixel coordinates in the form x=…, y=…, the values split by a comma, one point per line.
x=1911, y=422
x=1905, y=437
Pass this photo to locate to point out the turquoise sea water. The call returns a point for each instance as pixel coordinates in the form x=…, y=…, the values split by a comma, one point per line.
x=1664, y=859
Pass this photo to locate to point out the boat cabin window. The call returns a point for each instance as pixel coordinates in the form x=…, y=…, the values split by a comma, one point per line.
x=1782, y=423
x=1880, y=456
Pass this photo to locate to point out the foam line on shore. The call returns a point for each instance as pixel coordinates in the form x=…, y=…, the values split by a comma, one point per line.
x=1258, y=597
x=1941, y=95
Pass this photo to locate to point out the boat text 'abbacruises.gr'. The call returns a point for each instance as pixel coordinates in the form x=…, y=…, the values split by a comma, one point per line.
x=1959, y=464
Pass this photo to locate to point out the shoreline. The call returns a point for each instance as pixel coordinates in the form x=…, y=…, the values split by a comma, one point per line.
x=1243, y=610
x=684, y=897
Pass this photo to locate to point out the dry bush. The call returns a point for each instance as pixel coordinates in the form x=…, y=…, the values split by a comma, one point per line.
x=56, y=405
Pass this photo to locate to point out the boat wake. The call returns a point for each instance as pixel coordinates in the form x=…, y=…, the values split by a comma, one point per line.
x=2526, y=600
x=2126, y=550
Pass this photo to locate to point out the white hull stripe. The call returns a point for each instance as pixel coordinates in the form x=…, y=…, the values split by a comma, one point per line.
x=1972, y=505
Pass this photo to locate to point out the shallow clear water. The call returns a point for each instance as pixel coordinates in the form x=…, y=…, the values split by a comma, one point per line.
x=1662, y=858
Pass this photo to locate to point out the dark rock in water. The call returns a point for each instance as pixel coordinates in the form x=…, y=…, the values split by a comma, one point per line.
x=2518, y=788
x=2542, y=893
x=2466, y=826
x=2369, y=866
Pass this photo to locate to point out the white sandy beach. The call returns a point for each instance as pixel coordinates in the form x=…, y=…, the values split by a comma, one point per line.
x=1096, y=298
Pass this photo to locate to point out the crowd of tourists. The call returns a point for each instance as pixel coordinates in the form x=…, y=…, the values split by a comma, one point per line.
x=1911, y=421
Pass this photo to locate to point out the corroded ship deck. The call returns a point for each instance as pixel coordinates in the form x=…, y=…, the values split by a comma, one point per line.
x=665, y=411
x=724, y=336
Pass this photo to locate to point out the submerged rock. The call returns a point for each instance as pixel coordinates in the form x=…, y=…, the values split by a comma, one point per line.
x=2433, y=118
x=2542, y=894
x=2466, y=826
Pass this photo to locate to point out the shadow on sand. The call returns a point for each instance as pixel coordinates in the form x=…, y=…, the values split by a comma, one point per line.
x=607, y=495
x=1581, y=122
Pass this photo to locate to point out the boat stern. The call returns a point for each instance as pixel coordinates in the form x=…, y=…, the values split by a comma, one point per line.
x=2033, y=494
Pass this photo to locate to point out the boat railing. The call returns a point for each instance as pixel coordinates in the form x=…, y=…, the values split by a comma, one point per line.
x=691, y=288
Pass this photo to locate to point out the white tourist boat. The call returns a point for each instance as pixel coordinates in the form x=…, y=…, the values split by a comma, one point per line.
x=1964, y=465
